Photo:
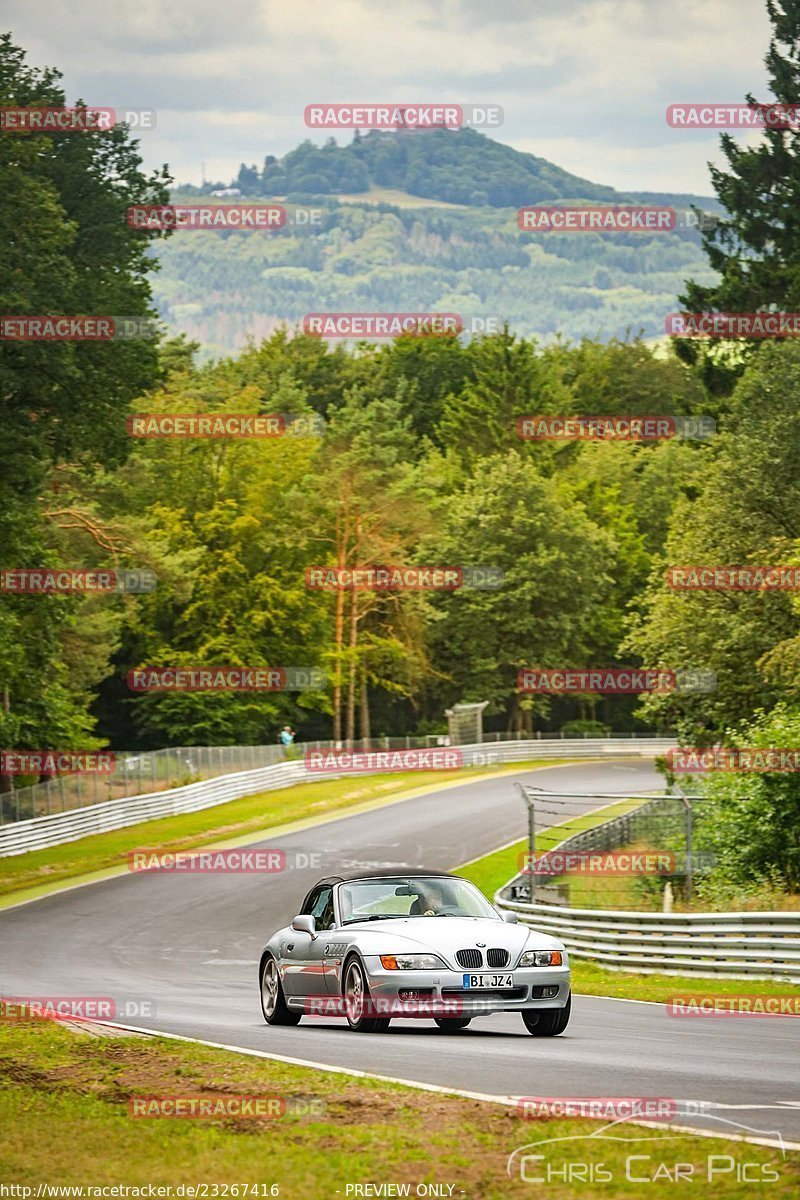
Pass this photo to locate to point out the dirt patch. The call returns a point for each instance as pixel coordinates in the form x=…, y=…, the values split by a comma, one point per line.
x=17, y=1072
x=116, y=1070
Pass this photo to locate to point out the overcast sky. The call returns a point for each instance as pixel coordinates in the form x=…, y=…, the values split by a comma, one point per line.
x=584, y=83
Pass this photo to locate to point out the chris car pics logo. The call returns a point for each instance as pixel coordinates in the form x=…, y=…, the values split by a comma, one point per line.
x=618, y=1153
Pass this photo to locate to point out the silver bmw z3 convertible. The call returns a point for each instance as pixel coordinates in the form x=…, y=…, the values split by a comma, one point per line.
x=390, y=943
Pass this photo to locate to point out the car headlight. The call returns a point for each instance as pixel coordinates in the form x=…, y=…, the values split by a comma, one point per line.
x=411, y=962
x=541, y=958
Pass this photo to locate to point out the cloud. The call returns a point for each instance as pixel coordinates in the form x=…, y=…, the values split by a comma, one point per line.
x=588, y=80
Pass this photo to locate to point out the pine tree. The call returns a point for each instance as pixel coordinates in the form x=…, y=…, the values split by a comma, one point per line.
x=756, y=249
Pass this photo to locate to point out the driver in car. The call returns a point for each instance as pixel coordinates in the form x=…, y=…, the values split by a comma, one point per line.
x=431, y=902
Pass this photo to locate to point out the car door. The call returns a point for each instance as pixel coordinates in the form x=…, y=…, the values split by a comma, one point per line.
x=303, y=968
x=336, y=944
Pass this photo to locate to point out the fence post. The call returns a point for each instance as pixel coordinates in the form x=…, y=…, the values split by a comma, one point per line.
x=528, y=801
x=689, y=864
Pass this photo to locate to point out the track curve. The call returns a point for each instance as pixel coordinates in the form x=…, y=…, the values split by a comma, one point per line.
x=188, y=945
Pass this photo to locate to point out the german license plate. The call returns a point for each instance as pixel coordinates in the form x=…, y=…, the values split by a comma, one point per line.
x=488, y=981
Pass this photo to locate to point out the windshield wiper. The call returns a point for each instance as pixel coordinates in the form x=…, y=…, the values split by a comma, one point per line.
x=375, y=917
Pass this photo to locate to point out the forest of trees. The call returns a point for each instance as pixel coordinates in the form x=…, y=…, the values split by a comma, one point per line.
x=222, y=289
x=421, y=464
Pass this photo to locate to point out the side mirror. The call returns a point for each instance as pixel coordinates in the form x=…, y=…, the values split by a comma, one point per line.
x=305, y=924
x=510, y=918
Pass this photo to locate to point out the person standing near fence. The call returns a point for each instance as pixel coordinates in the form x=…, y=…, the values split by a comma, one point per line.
x=286, y=738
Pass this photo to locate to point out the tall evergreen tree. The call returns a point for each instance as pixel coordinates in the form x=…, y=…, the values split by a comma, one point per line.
x=756, y=249
x=65, y=248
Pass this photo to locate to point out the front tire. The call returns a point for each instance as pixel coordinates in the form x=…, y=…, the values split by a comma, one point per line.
x=547, y=1022
x=452, y=1024
x=357, y=1001
x=273, y=1001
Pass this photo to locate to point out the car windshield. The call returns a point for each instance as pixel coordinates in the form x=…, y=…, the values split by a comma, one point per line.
x=415, y=896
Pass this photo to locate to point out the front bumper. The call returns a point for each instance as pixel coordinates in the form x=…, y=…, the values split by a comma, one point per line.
x=442, y=992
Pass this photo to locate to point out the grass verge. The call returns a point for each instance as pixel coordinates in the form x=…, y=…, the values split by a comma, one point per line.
x=65, y=1102
x=588, y=978
x=45, y=870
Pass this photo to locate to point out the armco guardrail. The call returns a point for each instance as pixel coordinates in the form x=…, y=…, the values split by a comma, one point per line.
x=40, y=832
x=756, y=945
x=759, y=945
x=142, y=772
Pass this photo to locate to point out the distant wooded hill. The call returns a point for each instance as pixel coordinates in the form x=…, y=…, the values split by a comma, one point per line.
x=456, y=166
x=424, y=221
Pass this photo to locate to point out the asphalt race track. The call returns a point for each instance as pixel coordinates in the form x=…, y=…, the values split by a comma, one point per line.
x=188, y=944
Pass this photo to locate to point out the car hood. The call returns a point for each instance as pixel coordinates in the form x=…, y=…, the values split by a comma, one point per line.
x=446, y=935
